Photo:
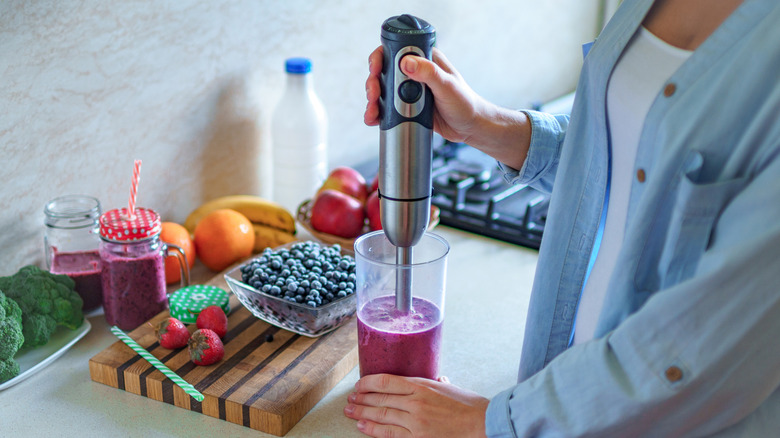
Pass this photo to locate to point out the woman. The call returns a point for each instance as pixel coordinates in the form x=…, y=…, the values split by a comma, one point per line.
x=655, y=306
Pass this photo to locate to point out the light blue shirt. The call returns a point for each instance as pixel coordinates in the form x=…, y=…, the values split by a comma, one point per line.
x=688, y=341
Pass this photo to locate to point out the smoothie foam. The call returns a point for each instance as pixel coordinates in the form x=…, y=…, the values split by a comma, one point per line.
x=397, y=343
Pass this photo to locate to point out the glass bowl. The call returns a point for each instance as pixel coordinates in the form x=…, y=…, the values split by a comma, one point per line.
x=299, y=318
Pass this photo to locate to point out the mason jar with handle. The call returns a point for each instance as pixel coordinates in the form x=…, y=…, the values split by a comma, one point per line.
x=133, y=266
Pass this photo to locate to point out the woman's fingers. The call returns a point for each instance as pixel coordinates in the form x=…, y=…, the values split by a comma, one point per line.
x=371, y=115
x=386, y=383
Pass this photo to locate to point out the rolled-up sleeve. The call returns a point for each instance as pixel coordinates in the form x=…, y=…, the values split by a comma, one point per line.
x=541, y=163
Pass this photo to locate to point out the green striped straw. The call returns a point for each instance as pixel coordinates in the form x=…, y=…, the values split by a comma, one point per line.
x=189, y=389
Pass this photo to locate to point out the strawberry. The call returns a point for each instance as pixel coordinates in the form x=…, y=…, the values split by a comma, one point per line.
x=171, y=333
x=205, y=347
x=213, y=318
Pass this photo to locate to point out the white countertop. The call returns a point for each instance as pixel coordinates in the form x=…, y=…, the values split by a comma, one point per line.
x=488, y=287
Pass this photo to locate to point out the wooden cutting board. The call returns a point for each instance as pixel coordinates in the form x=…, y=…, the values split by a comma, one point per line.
x=268, y=380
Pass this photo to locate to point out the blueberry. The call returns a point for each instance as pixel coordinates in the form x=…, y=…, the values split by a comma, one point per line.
x=276, y=264
x=341, y=294
x=311, y=303
x=276, y=290
x=293, y=286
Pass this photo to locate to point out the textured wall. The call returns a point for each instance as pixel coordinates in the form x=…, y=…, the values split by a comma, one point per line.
x=188, y=87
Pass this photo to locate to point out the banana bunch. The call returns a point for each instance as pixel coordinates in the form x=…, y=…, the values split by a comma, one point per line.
x=272, y=223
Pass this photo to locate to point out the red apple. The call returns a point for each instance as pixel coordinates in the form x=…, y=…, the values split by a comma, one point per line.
x=346, y=180
x=372, y=211
x=337, y=213
x=374, y=184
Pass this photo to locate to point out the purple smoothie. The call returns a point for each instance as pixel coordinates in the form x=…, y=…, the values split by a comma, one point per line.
x=84, y=268
x=396, y=343
x=133, y=288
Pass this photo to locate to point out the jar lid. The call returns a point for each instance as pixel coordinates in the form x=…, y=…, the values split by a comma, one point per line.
x=116, y=224
x=186, y=303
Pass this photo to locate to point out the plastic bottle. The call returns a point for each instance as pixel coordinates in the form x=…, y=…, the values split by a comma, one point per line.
x=299, y=132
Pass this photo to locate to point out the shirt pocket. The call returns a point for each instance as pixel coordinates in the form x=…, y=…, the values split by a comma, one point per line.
x=687, y=232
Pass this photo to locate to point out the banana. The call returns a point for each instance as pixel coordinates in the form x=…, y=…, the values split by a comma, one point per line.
x=258, y=210
x=266, y=236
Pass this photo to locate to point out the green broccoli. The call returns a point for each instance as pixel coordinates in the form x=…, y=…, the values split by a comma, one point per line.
x=46, y=300
x=11, y=337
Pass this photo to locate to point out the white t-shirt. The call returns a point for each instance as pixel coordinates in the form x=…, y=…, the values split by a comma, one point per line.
x=643, y=69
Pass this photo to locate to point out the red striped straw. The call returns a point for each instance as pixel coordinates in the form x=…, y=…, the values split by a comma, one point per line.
x=134, y=189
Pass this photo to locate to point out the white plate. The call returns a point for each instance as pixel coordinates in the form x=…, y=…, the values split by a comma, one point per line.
x=32, y=360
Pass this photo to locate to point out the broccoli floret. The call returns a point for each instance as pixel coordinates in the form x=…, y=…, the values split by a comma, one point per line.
x=9, y=369
x=11, y=337
x=46, y=301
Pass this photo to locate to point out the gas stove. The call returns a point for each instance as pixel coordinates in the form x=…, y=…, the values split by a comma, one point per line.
x=471, y=193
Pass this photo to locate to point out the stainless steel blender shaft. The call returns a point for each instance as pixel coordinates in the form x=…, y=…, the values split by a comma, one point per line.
x=403, y=279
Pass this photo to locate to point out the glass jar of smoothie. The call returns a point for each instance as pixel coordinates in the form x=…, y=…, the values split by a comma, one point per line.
x=133, y=266
x=71, y=242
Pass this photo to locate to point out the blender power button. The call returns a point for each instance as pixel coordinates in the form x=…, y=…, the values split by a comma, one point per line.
x=410, y=91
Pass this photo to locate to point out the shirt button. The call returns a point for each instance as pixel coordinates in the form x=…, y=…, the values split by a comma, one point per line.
x=640, y=175
x=673, y=374
x=669, y=89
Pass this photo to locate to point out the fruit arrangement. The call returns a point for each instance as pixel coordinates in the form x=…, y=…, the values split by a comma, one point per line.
x=271, y=223
x=345, y=207
x=204, y=344
x=225, y=230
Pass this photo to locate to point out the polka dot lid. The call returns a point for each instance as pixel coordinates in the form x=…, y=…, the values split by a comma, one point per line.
x=186, y=303
x=117, y=226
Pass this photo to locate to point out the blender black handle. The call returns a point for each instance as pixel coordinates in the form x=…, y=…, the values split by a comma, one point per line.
x=401, y=99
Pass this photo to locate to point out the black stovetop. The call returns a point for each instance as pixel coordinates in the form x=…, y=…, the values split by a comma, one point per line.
x=471, y=193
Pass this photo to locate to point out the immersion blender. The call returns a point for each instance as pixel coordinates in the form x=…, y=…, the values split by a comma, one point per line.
x=405, y=145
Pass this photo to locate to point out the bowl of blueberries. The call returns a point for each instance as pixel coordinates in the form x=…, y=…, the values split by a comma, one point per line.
x=304, y=287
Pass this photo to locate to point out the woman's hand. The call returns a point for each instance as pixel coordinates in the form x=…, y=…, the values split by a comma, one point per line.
x=391, y=406
x=457, y=106
x=460, y=114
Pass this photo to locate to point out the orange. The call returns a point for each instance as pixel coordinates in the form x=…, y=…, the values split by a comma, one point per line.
x=222, y=238
x=175, y=234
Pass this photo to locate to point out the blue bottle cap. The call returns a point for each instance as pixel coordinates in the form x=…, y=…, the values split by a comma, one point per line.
x=298, y=65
